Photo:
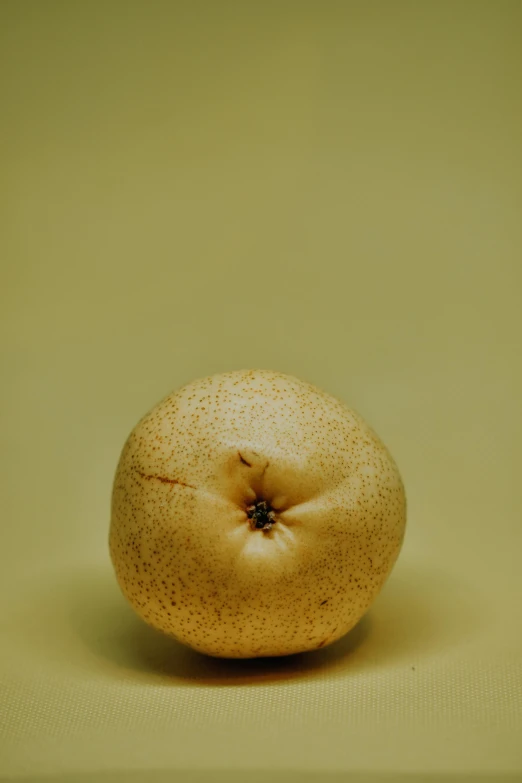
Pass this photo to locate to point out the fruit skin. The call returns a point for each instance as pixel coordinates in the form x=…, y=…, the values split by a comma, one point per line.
x=213, y=460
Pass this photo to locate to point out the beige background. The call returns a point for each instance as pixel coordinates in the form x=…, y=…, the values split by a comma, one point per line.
x=331, y=189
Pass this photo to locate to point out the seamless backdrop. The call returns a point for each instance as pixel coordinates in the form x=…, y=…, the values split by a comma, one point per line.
x=328, y=189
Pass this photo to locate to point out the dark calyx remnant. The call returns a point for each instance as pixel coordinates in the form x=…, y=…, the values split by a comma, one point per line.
x=261, y=516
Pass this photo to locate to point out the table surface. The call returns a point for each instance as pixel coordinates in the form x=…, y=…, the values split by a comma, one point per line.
x=328, y=189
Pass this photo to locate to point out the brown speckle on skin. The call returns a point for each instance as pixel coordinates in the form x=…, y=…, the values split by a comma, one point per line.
x=235, y=562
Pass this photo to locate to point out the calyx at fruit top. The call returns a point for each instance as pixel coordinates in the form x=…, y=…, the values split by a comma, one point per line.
x=262, y=516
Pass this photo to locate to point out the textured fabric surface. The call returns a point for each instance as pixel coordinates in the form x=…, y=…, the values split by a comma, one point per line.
x=86, y=684
x=328, y=189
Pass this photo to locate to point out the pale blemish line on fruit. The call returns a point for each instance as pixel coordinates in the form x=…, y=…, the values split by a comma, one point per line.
x=284, y=538
x=165, y=479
